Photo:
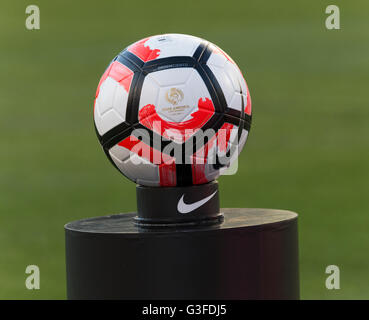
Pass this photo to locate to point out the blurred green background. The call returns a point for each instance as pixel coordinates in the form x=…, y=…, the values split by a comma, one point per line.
x=307, y=151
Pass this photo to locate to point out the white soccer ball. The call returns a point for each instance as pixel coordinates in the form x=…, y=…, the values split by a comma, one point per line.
x=172, y=110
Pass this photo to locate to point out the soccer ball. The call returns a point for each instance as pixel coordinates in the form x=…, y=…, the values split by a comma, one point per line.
x=172, y=110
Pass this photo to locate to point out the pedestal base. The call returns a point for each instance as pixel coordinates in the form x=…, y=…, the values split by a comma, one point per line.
x=253, y=254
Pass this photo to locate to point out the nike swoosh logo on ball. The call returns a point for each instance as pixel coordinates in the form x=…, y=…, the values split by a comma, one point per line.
x=186, y=208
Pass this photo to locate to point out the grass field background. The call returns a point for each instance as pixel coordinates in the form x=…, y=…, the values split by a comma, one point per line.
x=307, y=151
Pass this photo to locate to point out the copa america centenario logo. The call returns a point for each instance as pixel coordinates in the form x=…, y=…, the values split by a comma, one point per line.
x=174, y=96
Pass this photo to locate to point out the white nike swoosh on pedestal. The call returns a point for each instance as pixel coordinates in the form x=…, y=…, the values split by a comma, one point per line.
x=186, y=208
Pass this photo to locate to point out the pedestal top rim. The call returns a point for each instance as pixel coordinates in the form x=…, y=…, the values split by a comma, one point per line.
x=234, y=218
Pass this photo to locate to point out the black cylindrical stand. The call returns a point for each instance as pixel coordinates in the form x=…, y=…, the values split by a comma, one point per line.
x=252, y=254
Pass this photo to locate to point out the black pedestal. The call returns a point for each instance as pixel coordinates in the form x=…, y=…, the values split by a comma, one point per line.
x=252, y=254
